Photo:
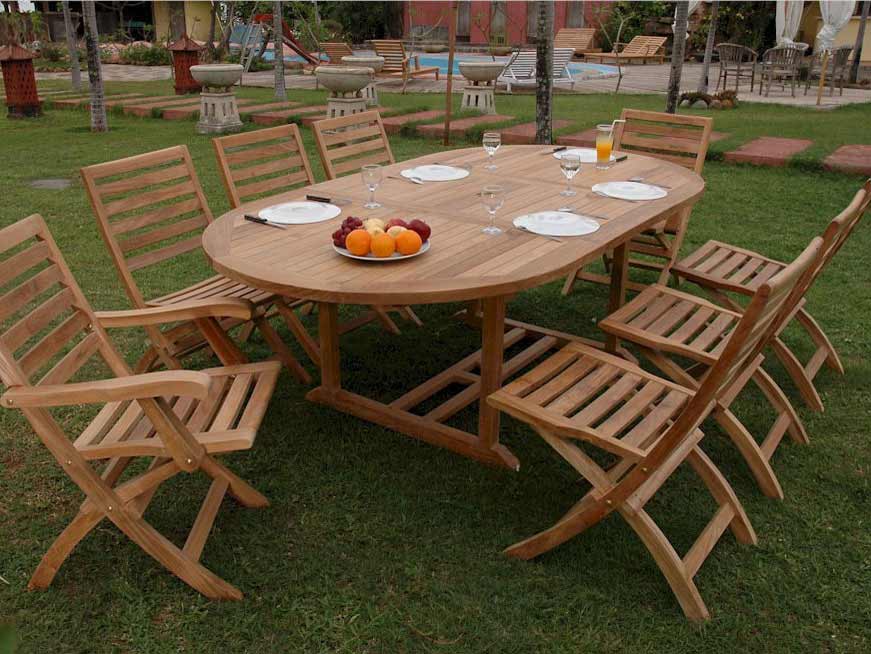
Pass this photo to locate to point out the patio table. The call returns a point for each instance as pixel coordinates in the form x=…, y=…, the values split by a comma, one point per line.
x=462, y=265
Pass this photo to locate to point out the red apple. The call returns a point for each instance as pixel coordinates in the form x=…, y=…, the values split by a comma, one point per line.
x=395, y=222
x=423, y=230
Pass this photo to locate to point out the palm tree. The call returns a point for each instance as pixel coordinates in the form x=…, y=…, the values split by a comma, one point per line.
x=278, y=52
x=95, y=72
x=544, y=74
x=677, y=54
x=709, y=47
x=72, y=46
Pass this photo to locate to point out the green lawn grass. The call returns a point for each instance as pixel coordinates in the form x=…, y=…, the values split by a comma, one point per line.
x=376, y=543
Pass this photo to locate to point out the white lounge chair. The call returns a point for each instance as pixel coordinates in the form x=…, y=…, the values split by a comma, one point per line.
x=521, y=68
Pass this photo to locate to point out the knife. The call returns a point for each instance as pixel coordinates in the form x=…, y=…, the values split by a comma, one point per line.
x=262, y=221
x=555, y=150
x=319, y=198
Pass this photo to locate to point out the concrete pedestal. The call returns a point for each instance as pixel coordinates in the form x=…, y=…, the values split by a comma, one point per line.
x=219, y=113
x=338, y=107
x=370, y=94
x=479, y=98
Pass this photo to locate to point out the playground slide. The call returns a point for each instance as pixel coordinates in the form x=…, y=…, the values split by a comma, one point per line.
x=289, y=39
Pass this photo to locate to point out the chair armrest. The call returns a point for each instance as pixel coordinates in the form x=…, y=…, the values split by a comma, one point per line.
x=185, y=383
x=190, y=310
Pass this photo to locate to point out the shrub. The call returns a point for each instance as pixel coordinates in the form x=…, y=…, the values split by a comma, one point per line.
x=142, y=55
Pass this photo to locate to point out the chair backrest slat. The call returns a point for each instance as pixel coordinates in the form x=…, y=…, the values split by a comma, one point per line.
x=263, y=162
x=561, y=59
x=350, y=142
x=734, y=53
x=680, y=139
x=149, y=207
x=393, y=52
x=644, y=45
x=335, y=50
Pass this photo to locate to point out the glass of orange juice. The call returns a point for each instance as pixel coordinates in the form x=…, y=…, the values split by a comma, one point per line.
x=604, y=140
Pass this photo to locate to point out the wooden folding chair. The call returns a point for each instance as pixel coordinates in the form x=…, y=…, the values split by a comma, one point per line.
x=646, y=427
x=682, y=140
x=174, y=418
x=724, y=270
x=150, y=209
x=346, y=144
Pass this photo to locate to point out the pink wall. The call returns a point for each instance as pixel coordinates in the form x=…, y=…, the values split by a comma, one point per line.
x=428, y=12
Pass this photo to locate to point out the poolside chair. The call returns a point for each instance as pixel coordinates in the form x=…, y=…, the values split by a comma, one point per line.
x=642, y=428
x=837, y=68
x=580, y=39
x=680, y=139
x=736, y=60
x=170, y=422
x=255, y=165
x=640, y=48
x=398, y=64
x=724, y=270
x=780, y=64
x=150, y=208
x=335, y=51
x=669, y=325
x=520, y=69
x=346, y=144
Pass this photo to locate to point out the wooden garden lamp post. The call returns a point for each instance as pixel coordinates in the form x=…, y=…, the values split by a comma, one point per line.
x=185, y=53
x=21, y=95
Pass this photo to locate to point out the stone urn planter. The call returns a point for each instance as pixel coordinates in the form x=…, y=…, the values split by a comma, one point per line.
x=345, y=84
x=376, y=63
x=433, y=48
x=480, y=94
x=217, y=76
x=219, y=112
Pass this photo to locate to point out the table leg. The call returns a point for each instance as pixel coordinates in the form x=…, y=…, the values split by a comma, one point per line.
x=619, y=277
x=492, y=352
x=328, y=330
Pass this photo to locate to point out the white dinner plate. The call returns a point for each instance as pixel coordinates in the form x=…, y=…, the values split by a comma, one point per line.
x=587, y=155
x=630, y=190
x=299, y=213
x=436, y=173
x=557, y=223
x=371, y=257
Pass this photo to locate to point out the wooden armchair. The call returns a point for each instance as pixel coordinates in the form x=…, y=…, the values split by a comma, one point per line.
x=724, y=270
x=736, y=60
x=398, y=64
x=780, y=64
x=837, y=68
x=150, y=209
x=680, y=139
x=176, y=419
x=644, y=428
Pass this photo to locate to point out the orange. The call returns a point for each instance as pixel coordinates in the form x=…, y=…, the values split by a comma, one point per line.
x=408, y=242
x=357, y=242
x=383, y=245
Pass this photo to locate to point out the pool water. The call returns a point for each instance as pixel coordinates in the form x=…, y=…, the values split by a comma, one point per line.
x=579, y=70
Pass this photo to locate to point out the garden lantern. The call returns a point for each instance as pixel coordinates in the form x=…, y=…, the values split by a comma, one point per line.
x=185, y=53
x=21, y=96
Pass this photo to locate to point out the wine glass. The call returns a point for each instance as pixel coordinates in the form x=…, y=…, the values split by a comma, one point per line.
x=371, y=174
x=493, y=198
x=492, y=141
x=570, y=164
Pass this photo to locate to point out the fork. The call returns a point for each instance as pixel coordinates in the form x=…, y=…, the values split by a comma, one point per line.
x=528, y=231
x=413, y=180
x=641, y=179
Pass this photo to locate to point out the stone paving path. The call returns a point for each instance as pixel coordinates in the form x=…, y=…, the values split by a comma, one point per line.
x=768, y=151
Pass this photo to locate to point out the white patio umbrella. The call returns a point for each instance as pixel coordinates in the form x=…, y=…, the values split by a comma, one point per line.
x=835, y=14
x=788, y=17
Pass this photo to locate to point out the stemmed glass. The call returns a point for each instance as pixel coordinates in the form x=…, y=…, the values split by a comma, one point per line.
x=570, y=164
x=492, y=141
x=493, y=198
x=372, y=175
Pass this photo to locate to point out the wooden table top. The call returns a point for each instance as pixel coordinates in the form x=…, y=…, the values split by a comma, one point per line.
x=462, y=263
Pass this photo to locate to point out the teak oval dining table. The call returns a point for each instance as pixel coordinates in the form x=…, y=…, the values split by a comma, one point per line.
x=462, y=265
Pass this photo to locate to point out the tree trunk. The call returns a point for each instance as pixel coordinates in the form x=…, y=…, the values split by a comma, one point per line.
x=75, y=70
x=224, y=46
x=677, y=54
x=449, y=95
x=213, y=24
x=709, y=48
x=95, y=72
x=544, y=74
x=278, y=52
x=860, y=37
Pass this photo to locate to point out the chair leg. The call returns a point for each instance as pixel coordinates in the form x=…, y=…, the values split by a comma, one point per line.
x=750, y=450
x=409, y=314
x=386, y=321
x=281, y=350
x=787, y=418
x=62, y=547
x=240, y=489
x=669, y=563
x=797, y=373
x=817, y=335
x=570, y=282
x=722, y=491
x=294, y=324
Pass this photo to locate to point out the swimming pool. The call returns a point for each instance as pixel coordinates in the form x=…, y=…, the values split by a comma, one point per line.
x=579, y=69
